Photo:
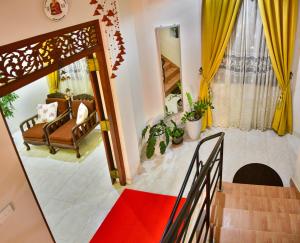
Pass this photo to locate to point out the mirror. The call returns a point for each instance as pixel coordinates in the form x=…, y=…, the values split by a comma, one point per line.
x=168, y=41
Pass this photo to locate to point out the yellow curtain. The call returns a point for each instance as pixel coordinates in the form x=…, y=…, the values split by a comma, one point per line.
x=53, y=82
x=279, y=19
x=218, y=19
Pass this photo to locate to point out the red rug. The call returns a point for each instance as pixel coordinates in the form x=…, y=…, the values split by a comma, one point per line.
x=137, y=217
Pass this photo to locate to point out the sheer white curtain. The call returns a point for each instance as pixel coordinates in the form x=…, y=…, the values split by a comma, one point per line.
x=79, y=78
x=245, y=89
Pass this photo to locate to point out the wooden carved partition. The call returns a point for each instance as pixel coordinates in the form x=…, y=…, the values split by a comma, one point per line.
x=35, y=57
x=25, y=61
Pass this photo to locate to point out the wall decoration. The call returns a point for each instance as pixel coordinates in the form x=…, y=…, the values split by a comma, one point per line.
x=26, y=59
x=108, y=14
x=56, y=9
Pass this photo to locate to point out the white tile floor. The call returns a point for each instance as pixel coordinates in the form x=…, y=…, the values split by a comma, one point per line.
x=76, y=196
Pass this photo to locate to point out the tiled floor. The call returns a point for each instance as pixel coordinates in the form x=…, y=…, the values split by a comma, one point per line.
x=77, y=195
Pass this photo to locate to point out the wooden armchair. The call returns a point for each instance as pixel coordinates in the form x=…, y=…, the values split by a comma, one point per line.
x=65, y=133
x=34, y=133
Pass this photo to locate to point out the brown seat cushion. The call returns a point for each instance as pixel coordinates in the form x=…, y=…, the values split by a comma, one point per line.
x=35, y=133
x=63, y=135
x=90, y=104
x=63, y=104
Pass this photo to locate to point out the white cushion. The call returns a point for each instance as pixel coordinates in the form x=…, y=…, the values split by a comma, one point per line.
x=47, y=112
x=82, y=113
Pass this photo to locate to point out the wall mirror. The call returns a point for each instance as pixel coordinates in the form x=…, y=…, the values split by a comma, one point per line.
x=168, y=41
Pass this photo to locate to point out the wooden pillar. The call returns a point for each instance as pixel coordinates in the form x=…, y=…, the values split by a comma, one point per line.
x=110, y=108
x=101, y=114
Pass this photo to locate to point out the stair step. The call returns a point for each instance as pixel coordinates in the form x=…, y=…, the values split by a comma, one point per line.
x=168, y=65
x=171, y=84
x=260, y=191
x=278, y=205
x=171, y=73
x=258, y=220
x=234, y=235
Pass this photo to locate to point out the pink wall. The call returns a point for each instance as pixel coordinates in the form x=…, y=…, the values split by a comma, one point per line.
x=26, y=223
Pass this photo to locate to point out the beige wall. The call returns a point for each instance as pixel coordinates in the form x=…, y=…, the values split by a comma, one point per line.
x=169, y=45
x=25, y=224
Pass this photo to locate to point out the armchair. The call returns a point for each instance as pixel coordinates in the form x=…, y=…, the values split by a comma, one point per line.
x=65, y=133
x=35, y=133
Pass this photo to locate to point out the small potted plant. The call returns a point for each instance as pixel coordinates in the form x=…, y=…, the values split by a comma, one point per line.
x=176, y=134
x=159, y=134
x=192, y=118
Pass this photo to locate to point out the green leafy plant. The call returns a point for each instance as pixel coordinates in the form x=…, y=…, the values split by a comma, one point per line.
x=176, y=132
x=6, y=104
x=158, y=130
x=197, y=109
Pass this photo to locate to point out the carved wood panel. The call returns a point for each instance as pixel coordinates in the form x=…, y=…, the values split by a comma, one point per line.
x=30, y=57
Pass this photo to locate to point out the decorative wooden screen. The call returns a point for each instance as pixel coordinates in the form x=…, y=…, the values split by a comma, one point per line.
x=36, y=57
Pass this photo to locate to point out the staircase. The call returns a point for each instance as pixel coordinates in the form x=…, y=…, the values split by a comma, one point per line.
x=171, y=74
x=252, y=213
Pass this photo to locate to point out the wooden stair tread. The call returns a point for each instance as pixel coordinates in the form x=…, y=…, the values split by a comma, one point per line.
x=235, y=235
x=171, y=73
x=258, y=220
x=279, y=205
x=170, y=84
x=257, y=190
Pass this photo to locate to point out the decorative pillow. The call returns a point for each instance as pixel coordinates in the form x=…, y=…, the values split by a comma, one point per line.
x=47, y=112
x=82, y=113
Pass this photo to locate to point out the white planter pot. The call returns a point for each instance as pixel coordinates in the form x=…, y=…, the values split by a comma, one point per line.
x=193, y=129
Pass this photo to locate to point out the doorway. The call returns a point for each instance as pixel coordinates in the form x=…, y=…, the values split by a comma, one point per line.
x=24, y=62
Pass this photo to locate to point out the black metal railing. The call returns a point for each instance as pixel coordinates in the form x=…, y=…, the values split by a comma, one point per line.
x=191, y=222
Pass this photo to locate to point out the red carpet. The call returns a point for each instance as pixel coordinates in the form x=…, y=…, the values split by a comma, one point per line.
x=137, y=217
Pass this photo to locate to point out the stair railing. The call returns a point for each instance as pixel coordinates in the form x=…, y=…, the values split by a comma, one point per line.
x=191, y=221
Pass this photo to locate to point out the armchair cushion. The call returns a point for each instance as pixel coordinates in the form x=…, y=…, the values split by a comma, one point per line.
x=63, y=104
x=47, y=112
x=35, y=133
x=82, y=114
x=90, y=104
x=64, y=133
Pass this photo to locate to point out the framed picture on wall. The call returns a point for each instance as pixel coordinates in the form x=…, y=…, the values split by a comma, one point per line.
x=56, y=9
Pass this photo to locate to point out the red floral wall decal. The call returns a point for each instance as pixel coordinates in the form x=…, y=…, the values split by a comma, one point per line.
x=108, y=13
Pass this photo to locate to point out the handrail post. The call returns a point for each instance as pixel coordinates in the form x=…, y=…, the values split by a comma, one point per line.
x=208, y=199
x=221, y=165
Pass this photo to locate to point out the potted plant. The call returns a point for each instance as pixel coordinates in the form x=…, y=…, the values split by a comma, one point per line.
x=192, y=118
x=158, y=134
x=6, y=104
x=176, y=134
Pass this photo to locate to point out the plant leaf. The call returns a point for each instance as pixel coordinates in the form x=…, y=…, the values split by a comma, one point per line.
x=162, y=147
x=190, y=100
x=150, y=146
x=145, y=131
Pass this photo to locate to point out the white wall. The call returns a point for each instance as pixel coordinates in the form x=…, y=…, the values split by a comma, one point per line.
x=169, y=45
x=148, y=15
x=139, y=89
x=25, y=106
x=23, y=19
